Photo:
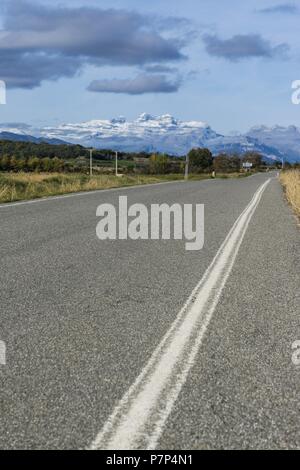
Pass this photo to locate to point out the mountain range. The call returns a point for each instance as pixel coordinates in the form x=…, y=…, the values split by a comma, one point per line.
x=161, y=134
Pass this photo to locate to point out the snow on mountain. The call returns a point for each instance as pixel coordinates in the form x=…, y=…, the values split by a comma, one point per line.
x=241, y=144
x=146, y=133
x=20, y=132
x=284, y=139
x=162, y=134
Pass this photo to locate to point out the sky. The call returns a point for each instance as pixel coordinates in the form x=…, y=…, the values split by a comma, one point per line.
x=226, y=62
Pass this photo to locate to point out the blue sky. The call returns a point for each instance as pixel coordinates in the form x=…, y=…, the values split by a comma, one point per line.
x=226, y=62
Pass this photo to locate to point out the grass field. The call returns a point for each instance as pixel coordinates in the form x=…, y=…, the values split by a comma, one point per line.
x=290, y=180
x=24, y=186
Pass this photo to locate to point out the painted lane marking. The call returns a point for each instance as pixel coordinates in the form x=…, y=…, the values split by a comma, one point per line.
x=139, y=418
x=89, y=193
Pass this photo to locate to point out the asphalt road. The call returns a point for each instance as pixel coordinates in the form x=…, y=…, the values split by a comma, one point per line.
x=82, y=319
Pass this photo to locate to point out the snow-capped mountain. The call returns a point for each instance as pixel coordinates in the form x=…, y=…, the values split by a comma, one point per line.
x=20, y=132
x=146, y=133
x=162, y=134
x=285, y=139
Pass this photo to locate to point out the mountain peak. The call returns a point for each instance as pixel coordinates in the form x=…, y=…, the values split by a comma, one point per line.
x=118, y=120
x=145, y=117
x=164, y=118
x=168, y=118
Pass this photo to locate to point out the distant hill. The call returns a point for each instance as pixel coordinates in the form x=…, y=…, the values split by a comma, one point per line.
x=29, y=138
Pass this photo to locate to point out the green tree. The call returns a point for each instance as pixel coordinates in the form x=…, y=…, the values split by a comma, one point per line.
x=33, y=164
x=58, y=164
x=5, y=163
x=158, y=164
x=20, y=164
x=221, y=162
x=227, y=163
x=13, y=163
x=46, y=164
x=200, y=158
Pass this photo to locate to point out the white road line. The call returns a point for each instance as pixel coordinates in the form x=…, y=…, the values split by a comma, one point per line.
x=89, y=193
x=138, y=420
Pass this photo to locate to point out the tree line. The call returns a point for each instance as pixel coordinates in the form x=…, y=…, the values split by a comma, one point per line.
x=28, y=156
x=23, y=150
x=202, y=159
x=11, y=163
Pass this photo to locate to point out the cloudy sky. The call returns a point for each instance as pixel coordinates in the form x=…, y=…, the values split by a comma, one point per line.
x=226, y=62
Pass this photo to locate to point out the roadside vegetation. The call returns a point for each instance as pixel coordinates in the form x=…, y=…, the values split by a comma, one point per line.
x=290, y=180
x=34, y=170
x=25, y=186
x=43, y=157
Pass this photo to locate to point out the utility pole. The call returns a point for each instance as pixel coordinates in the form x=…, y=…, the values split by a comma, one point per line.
x=116, y=163
x=282, y=163
x=187, y=161
x=91, y=162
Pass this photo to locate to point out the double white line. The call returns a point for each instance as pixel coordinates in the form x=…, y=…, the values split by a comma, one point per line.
x=138, y=419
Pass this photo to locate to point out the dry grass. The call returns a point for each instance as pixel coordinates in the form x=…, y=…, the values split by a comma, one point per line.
x=290, y=180
x=24, y=186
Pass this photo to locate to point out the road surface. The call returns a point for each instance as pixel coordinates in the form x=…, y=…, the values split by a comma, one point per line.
x=107, y=345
